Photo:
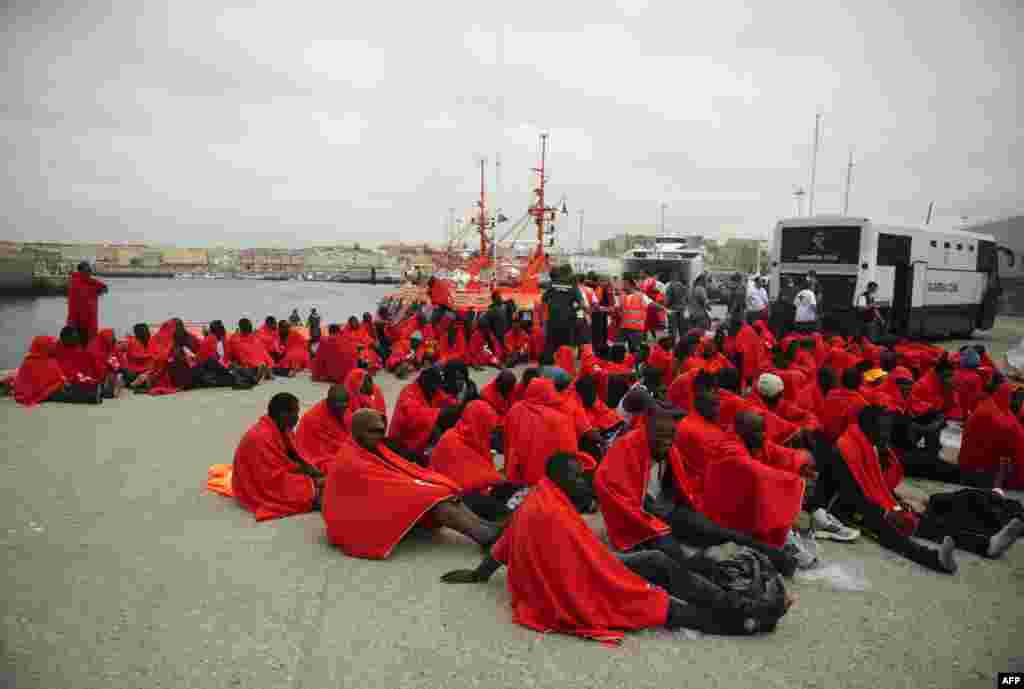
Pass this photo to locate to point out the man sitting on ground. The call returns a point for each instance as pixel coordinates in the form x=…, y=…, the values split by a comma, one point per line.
x=270, y=478
x=324, y=428
x=373, y=497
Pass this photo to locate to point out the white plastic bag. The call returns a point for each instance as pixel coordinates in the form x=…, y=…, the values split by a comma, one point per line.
x=841, y=576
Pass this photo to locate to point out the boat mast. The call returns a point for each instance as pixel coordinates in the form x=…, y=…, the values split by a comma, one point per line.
x=539, y=210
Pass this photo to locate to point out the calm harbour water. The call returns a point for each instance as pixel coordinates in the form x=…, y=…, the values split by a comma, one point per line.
x=153, y=300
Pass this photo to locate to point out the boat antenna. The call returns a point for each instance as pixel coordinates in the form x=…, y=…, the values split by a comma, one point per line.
x=814, y=159
x=928, y=218
x=849, y=177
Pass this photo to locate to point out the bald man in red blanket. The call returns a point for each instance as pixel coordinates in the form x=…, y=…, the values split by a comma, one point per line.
x=567, y=581
x=269, y=477
x=373, y=497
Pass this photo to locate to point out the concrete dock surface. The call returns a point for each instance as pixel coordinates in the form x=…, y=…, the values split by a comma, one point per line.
x=122, y=571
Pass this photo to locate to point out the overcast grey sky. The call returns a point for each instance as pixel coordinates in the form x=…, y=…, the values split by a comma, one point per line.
x=196, y=123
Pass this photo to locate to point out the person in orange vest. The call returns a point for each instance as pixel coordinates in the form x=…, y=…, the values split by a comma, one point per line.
x=634, y=315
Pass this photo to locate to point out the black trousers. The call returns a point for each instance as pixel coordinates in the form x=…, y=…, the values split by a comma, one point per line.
x=698, y=603
x=493, y=504
x=923, y=464
x=77, y=393
x=599, y=327
x=634, y=338
x=694, y=529
x=970, y=517
x=558, y=335
x=836, y=482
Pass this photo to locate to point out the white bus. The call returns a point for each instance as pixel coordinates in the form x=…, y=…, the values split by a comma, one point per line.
x=931, y=282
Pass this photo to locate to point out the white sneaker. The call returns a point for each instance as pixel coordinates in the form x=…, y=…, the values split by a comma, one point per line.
x=828, y=527
x=795, y=547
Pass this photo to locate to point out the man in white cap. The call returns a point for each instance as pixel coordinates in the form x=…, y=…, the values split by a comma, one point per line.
x=768, y=395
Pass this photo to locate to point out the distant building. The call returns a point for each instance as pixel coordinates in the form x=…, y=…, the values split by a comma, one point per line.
x=187, y=259
x=119, y=255
x=1009, y=233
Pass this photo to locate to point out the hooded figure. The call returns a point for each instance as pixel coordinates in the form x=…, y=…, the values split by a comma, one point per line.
x=536, y=428
x=464, y=452
x=39, y=375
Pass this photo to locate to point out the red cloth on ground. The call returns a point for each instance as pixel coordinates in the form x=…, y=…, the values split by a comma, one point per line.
x=336, y=357
x=699, y=443
x=862, y=459
x=842, y=407
x=927, y=396
x=248, y=351
x=464, y=452
x=414, y=418
x=103, y=350
x=371, y=501
x=358, y=400
x=750, y=496
x=40, y=375
x=83, y=302
x=620, y=484
x=320, y=435
x=563, y=579
x=536, y=428
x=296, y=352
x=264, y=479
x=993, y=432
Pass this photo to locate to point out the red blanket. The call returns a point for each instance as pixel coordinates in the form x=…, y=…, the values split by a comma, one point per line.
x=76, y=363
x=535, y=429
x=563, y=579
x=264, y=479
x=565, y=359
x=320, y=435
x=993, y=432
x=968, y=387
x=478, y=350
x=359, y=400
x=464, y=453
x=861, y=457
x=750, y=496
x=296, y=352
x=103, y=350
x=415, y=417
x=336, y=357
x=40, y=375
x=842, y=407
x=137, y=357
x=83, y=302
x=927, y=395
x=371, y=501
x=787, y=410
x=699, y=442
x=621, y=483
x=776, y=428
x=662, y=360
x=500, y=404
x=751, y=345
x=248, y=351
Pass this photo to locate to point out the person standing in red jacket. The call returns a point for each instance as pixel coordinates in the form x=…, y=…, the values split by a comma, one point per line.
x=83, y=302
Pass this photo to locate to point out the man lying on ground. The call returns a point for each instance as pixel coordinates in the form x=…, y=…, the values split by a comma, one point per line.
x=563, y=579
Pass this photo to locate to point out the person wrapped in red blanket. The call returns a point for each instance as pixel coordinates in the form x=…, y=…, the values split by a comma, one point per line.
x=417, y=409
x=843, y=404
x=700, y=437
x=536, y=428
x=40, y=378
x=373, y=497
x=324, y=428
x=364, y=393
x=269, y=476
x=335, y=358
x=769, y=395
x=135, y=354
x=993, y=439
x=84, y=292
x=270, y=335
x=246, y=350
x=296, y=350
x=569, y=582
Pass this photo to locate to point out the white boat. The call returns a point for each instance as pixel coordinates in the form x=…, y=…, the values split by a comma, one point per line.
x=668, y=254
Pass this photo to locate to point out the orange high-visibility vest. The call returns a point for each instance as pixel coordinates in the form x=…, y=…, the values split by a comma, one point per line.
x=634, y=312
